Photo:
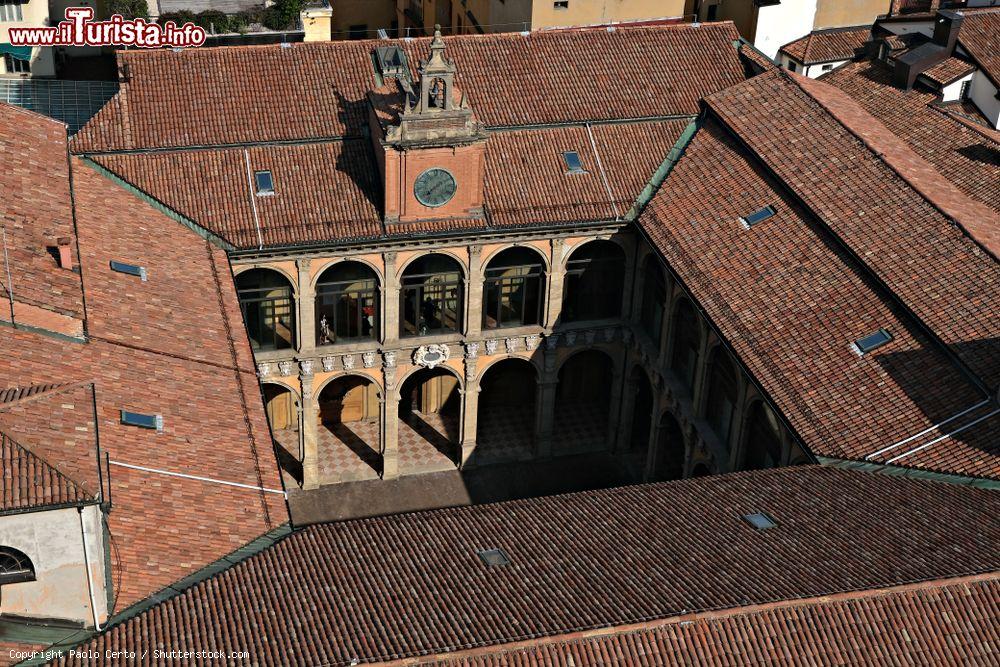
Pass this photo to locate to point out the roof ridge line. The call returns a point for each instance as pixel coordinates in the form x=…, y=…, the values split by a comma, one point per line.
x=992, y=248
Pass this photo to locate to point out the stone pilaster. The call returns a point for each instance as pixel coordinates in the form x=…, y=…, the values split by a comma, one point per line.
x=306, y=308
x=470, y=420
x=545, y=401
x=389, y=419
x=554, y=284
x=620, y=420
x=474, y=293
x=629, y=283
x=389, y=326
x=309, y=428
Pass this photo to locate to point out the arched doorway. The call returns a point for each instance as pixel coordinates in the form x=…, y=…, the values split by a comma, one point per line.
x=348, y=433
x=595, y=275
x=687, y=343
x=506, y=418
x=431, y=296
x=268, y=307
x=583, y=401
x=669, y=450
x=762, y=443
x=429, y=409
x=513, y=288
x=346, y=303
x=723, y=389
x=641, y=420
x=282, y=407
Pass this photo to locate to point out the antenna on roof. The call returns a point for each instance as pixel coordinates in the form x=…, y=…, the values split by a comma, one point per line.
x=382, y=34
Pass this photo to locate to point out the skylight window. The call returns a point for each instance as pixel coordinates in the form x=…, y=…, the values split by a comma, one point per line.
x=760, y=521
x=130, y=269
x=573, y=163
x=264, y=183
x=494, y=558
x=872, y=341
x=758, y=216
x=152, y=422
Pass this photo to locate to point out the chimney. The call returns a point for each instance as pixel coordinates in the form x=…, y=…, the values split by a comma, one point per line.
x=65, y=252
x=946, y=27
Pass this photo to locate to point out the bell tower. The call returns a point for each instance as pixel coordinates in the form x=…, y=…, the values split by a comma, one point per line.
x=434, y=150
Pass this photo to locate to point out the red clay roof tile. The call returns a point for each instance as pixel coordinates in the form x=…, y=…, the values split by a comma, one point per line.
x=823, y=46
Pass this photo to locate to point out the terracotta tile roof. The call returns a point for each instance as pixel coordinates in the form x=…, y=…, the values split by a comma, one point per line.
x=215, y=96
x=964, y=155
x=823, y=46
x=980, y=36
x=139, y=357
x=944, y=623
x=791, y=302
x=526, y=183
x=35, y=212
x=57, y=428
x=29, y=481
x=949, y=70
x=758, y=59
x=411, y=585
x=887, y=208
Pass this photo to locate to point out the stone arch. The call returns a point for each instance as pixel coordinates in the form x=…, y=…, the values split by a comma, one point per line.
x=594, y=282
x=671, y=449
x=15, y=566
x=432, y=294
x=268, y=304
x=506, y=410
x=347, y=302
x=429, y=413
x=722, y=393
x=761, y=442
x=532, y=358
x=451, y=254
x=546, y=263
x=583, y=401
x=348, y=416
x=514, y=282
x=240, y=269
x=442, y=367
x=379, y=273
x=616, y=239
x=685, y=349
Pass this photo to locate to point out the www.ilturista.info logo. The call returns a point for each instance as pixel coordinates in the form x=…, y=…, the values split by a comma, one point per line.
x=79, y=30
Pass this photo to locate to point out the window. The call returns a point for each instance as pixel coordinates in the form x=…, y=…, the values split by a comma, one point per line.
x=573, y=164
x=963, y=91
x=687, y=341
x=654, y=300
x=268, y=307
x=15, y=567
x=722, y=392
x=16, y=65
x=431, y=296
x=561, y=4
x=713, y=12
x=758, y=216
x=264, y=183
x=346, y=303
x=595, y=275
x=153, y=422
x=762, y=445
x=827, y=67
x=872, y=341
x=494, y=558
x=359, y=31
x=513, y=289
x=791, y=66
x=10, y=12
x=130, y=269
x=760, y=520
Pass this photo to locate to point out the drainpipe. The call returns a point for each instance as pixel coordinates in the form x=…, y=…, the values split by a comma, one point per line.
x=86, y=563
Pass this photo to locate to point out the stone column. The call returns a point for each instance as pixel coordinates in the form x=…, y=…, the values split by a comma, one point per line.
x=306, y=308
x=389, y=325
x=309, y=428
x=545, y=401
x=628, y=284
x=389, y=419
x=556, y=278
x=470, y=403
x=621, y=418
x=474, y=293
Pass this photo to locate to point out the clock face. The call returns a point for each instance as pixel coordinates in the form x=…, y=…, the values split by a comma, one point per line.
x=435, y=187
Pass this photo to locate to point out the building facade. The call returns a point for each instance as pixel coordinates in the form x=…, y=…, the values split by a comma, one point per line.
x=24, y=61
